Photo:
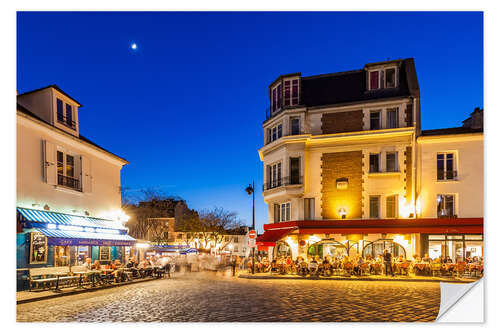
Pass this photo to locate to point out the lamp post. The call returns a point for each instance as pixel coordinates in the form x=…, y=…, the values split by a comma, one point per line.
x=251, y=191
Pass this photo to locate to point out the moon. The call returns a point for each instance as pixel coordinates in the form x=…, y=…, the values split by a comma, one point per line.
x=133, y=46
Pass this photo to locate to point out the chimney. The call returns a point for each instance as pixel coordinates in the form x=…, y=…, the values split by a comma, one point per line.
x=475, y=120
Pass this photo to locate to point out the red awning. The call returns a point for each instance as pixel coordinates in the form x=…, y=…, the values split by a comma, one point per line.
x=269, y=237
x=371, y=226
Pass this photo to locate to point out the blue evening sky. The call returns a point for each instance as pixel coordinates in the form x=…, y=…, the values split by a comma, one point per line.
x=186, y=107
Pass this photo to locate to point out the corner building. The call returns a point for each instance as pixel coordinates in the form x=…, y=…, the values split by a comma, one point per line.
x=348, y=170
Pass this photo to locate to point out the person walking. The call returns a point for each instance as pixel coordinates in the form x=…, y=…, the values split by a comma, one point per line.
x=388, y=262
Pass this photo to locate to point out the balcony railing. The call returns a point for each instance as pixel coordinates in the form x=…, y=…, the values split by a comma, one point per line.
x=69, y=182
x=65, y=121
x=284, y=181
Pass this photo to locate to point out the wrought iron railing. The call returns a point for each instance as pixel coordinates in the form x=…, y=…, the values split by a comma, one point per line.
x=283, y=181
x=69, y=182
x=62, y=119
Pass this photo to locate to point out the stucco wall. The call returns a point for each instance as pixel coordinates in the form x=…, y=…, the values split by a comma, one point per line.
x=104, y=197
x=468, y=188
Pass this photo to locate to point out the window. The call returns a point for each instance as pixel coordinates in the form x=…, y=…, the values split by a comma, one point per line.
x=284, y=212
x=374, y=80
x=66, y=171
x=287, y=93
x=380, y=78
x=294, y=126
x=294, y=170
x=308, y=208
x=295, y=92
x=235, y=249
x=65, y=116
x=69, y=116
x=392, y=118
x=375, y=120
x=60, y=111
x=446, y=205
x=374, y=163
x=291, y=92
x=445, y=170
x=374, y=206
x=390, y=78
x=274, y=133
x=273, y=175
x=235, y=239
x=391, y=206
x=277, y=98
x=391, y=162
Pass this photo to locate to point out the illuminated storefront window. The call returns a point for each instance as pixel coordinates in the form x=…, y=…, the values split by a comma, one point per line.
x=457, y=247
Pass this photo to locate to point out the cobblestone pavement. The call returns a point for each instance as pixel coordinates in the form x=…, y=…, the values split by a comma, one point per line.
x=216, y=297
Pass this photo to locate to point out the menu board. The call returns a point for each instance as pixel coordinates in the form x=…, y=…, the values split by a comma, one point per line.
x=104, y=253
x=38, y=248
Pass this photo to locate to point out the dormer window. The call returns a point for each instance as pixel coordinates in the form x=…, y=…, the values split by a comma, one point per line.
x=65, y=114
x=382, y=78
x=285, y=93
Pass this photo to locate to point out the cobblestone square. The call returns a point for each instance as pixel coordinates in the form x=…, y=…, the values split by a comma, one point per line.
x=211, y=297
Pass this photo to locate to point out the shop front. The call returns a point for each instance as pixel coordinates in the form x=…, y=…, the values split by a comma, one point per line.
x=55, y=239
x=459, y=247
x=370, y=238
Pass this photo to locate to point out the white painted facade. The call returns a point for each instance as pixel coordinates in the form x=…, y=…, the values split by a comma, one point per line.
x=38, y=141
x=467, y=186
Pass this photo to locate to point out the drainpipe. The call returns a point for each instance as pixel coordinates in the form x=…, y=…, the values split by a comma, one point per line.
x=414, y=158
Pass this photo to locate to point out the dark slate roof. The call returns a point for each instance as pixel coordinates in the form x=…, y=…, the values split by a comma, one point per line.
x=56, y=87
x=451, y=131
x=348, y=87
x=81, y=137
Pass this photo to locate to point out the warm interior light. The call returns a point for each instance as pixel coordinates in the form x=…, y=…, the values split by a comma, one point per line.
x=142, y=245
x=342, y=212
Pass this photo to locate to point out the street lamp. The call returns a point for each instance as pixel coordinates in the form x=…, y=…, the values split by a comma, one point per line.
x=251, y=191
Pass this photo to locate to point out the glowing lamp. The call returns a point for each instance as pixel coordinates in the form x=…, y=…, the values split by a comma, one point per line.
x=342, y=212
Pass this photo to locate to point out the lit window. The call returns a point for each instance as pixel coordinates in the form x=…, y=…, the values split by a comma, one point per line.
x=66, y=171
x=446, y=205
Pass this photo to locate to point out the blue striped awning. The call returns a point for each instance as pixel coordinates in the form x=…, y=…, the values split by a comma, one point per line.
x=47, y=217
x=63, y=237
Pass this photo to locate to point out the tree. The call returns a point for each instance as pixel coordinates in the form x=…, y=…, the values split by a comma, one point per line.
x=215, y=224
x=144, y=208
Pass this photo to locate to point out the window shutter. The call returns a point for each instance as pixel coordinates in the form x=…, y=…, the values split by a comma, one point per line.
x=49, y=163
x=86, y=174
x=276, y=213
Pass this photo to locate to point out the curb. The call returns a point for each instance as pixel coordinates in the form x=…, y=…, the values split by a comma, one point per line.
x=346, y=279
x=81, y=291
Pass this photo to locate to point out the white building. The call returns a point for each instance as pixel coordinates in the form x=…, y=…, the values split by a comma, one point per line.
x=68, y=188
x=348, y=170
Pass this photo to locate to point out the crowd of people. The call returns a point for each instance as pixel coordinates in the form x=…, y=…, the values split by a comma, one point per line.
x=383, y=263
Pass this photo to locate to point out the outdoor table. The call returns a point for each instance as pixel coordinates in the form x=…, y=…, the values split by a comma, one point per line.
x=58, y=274
x=93, y=274
x=80, y=273
x=106, y=271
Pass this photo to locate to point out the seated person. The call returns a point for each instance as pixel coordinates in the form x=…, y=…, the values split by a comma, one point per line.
x=313, y=267
x=357, y=266
x=426, y=258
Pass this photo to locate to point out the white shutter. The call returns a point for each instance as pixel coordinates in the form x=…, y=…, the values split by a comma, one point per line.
x=49, y=162
x=86, y=174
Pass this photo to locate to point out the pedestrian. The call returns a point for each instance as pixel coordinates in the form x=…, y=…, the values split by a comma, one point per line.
x=388, y=263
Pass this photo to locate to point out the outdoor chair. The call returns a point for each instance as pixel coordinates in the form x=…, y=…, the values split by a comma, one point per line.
x=436, y=269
